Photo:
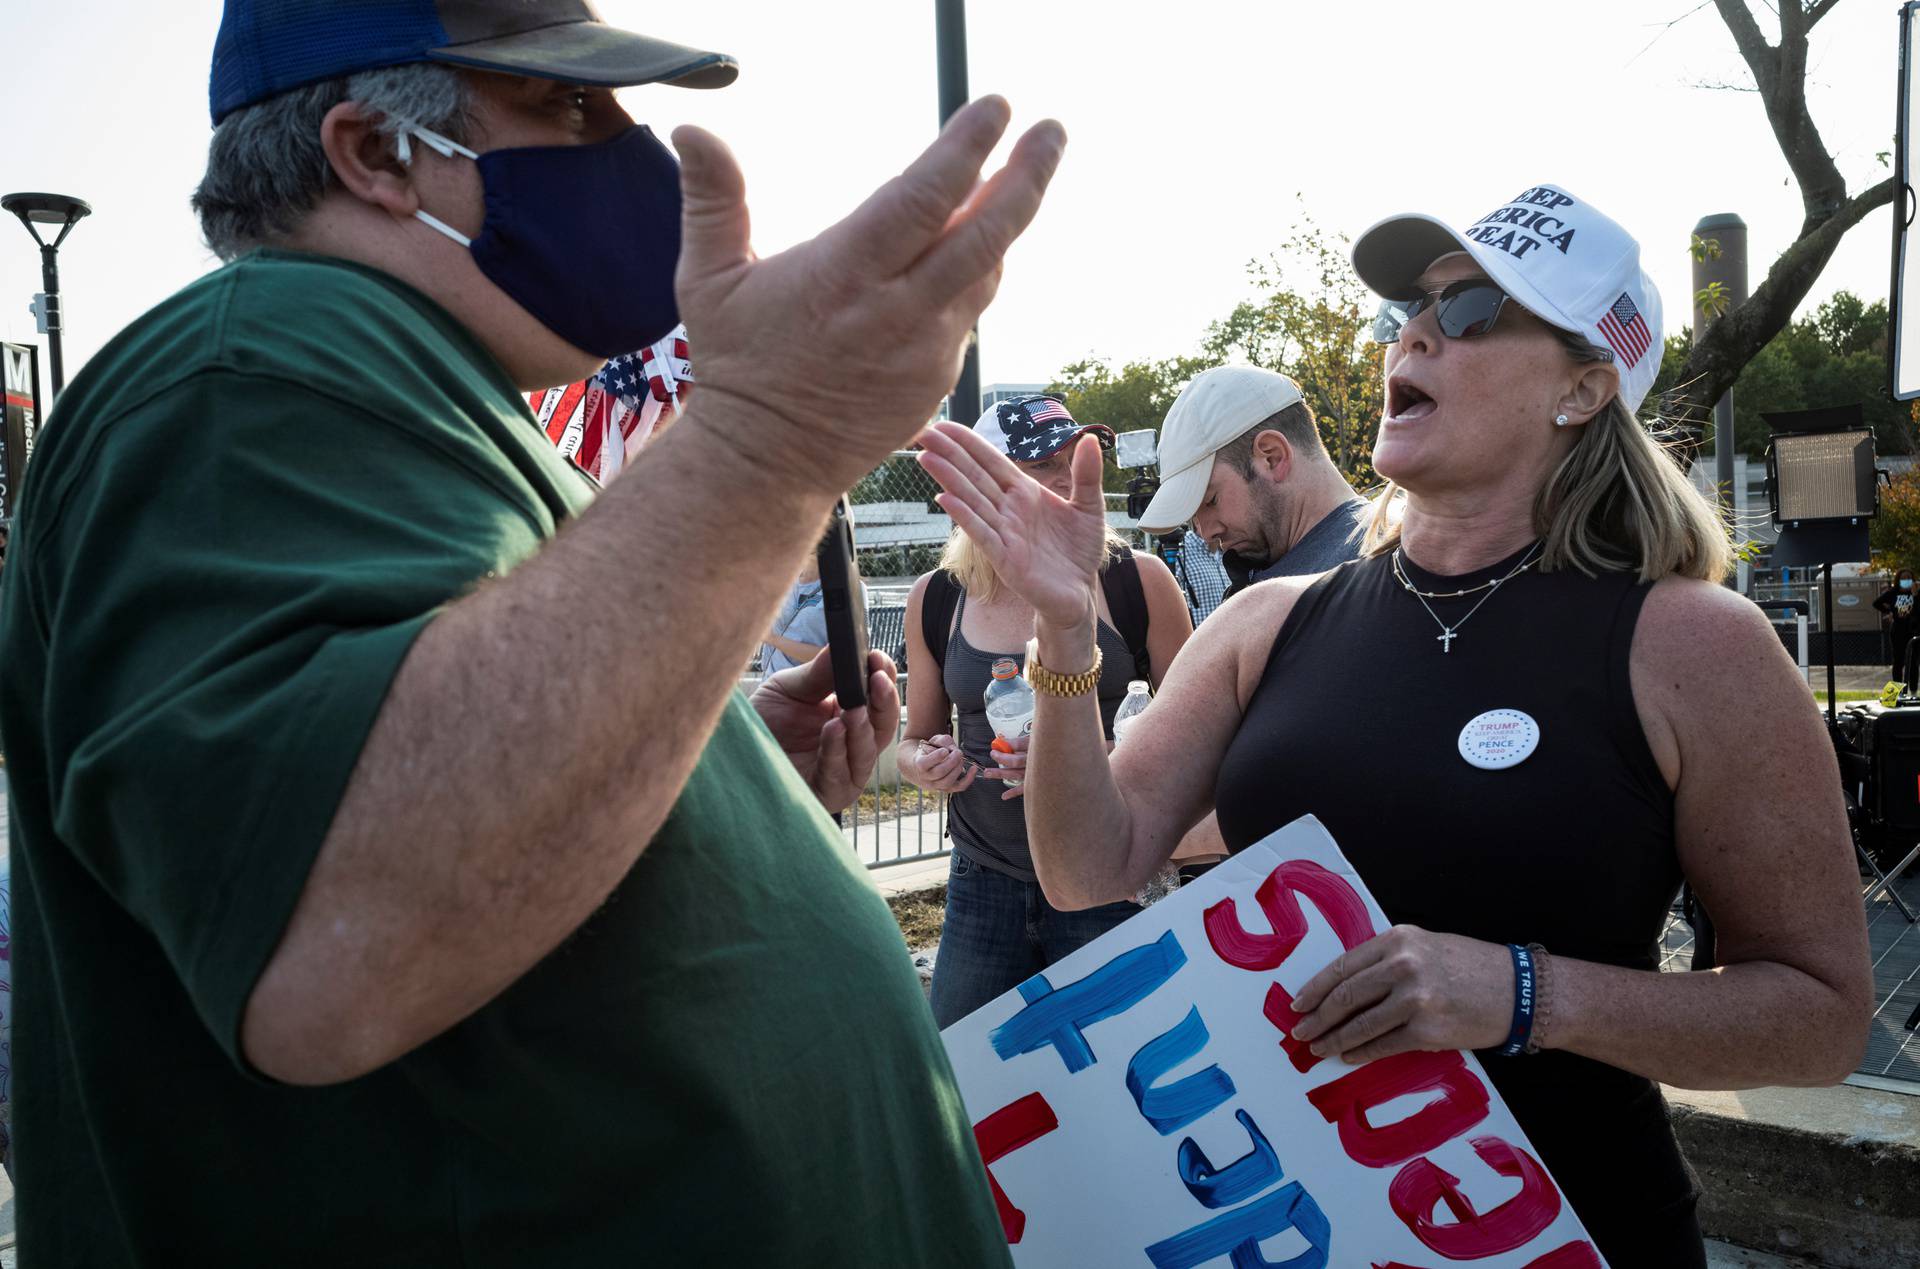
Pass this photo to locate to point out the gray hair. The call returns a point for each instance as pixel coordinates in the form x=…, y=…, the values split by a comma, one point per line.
x=266, y=169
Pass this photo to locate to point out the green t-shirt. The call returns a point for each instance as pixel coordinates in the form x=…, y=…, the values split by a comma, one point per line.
x=238, y=520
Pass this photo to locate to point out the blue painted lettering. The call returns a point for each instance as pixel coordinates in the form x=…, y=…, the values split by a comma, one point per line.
x=1172, y=1108
x=1056, y=1018
x=1242, y=1179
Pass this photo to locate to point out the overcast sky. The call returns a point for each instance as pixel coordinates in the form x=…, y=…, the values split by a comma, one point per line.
x=1197, y=131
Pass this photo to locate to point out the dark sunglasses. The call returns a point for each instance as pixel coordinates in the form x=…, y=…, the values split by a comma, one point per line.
x=1465, y=309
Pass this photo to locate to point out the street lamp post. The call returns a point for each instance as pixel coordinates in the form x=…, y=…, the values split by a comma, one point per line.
x=950, y=36
x=1727, y=267
x=66, y=212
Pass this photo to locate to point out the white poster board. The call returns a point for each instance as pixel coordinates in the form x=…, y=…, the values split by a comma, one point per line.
x=1136, y=1104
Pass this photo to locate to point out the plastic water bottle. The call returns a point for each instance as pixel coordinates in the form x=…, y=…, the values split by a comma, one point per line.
x=1009, y=706
x=1139, y=696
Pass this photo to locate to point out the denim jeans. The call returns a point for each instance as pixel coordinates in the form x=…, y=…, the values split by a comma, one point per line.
x=999, y=932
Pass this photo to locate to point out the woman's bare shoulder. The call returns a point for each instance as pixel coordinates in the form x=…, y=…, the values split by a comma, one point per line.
x=1238, y=636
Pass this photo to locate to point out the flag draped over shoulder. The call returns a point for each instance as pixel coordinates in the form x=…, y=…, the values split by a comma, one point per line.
x=601, y=423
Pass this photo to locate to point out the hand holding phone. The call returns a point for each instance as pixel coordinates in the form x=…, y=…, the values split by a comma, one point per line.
x=845, y=610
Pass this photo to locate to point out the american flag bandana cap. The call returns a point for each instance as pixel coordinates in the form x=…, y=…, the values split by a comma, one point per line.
x=1030, y=428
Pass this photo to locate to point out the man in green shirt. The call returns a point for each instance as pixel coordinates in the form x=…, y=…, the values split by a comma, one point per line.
x=399, y=878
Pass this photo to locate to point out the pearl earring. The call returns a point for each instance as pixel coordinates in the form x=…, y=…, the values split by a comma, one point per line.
x=1559, y=420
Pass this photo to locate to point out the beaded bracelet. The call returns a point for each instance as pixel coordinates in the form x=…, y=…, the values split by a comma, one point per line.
x=1520, y=1032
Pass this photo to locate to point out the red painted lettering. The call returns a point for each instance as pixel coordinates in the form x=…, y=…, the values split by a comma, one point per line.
x=1336, y=900
x=1279, y=1011
x=1573, y=1256
x=999, y=1135
x=1472, y=1236
x=1346, y=1102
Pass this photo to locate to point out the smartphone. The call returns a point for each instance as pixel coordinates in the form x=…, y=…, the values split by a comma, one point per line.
x=846, y=611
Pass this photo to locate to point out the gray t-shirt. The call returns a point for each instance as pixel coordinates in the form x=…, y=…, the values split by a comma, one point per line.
x=1328, y=544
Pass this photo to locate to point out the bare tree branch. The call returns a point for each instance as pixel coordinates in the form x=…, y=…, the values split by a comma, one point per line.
x=1793, y=22
x=1726, y=346
x=1781, y=74
x=1753, y=46
x=1819, y=10
x=1664, y=28
x=1704, y=86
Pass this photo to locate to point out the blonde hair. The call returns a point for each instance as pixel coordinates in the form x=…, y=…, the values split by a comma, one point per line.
x=1619, y=502
x=969, y=567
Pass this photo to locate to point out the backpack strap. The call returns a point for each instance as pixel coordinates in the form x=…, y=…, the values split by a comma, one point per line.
x=937, y=604
x=1127, y=601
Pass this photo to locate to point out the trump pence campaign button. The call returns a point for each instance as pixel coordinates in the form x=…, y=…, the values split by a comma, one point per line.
x=1499, y=738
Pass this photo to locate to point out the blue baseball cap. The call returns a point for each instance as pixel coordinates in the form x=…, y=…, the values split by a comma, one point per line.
x=266, y=47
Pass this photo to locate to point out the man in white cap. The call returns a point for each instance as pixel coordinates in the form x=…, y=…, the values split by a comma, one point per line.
x=1242, y=460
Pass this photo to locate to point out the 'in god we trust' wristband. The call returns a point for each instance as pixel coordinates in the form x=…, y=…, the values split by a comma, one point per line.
x=1524, y=999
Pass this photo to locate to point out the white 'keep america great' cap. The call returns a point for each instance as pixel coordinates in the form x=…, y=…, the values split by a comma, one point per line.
x=1556, y=255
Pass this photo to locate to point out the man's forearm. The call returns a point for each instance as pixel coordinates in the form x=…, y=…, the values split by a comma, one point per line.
x=793, y=649
x=454, y=862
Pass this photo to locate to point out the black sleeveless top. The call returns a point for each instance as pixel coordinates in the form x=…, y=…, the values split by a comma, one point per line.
x=1358, y=720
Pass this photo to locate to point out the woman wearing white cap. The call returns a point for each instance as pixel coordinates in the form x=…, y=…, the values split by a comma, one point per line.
x=962, y=622
x=1552, y=569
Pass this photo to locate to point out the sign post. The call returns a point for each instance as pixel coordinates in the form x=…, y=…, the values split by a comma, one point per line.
x=20, y=364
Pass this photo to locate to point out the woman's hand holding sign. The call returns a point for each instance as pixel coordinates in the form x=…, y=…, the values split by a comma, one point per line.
x=1408, y=989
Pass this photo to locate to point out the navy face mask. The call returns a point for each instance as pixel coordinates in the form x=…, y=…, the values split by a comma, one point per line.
x=584, y=237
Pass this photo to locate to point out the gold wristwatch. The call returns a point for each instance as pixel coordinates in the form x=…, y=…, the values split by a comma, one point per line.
x=1041, y=679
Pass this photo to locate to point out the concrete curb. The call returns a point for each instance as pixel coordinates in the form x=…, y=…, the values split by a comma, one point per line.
x=1831, y=1174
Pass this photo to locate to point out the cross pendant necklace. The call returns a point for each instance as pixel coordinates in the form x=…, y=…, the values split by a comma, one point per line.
x=1449, y=633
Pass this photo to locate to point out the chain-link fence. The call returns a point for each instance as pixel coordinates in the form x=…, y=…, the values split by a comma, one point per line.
x=899, y=533
x=899, y=530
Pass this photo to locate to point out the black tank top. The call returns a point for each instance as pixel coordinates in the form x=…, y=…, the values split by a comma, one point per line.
x=1358, y=720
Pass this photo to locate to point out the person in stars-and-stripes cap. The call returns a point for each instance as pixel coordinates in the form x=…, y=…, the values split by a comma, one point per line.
x=1032, y=428
x=961, y=622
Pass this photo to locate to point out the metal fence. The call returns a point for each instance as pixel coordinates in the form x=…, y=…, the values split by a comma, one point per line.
x=898, y=529
x=899, y=532
x=896, y=822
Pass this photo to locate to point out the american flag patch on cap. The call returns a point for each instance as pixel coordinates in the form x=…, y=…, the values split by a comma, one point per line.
x=1626, y=331
x=1046, y=409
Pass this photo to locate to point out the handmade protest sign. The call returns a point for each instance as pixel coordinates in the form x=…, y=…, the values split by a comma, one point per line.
x=1140, y=1103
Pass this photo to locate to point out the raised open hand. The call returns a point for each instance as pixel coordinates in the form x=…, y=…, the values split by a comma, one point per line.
x=847, y=343
x=1046, y=548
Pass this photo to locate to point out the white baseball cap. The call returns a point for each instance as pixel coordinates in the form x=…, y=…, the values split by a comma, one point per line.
x=1218, y=406
x=1557, y=256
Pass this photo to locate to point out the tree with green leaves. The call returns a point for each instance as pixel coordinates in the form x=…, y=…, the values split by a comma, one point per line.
x=1135, y=397
x=1896, y=529
x=1836, y=356
x=1311, y=320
